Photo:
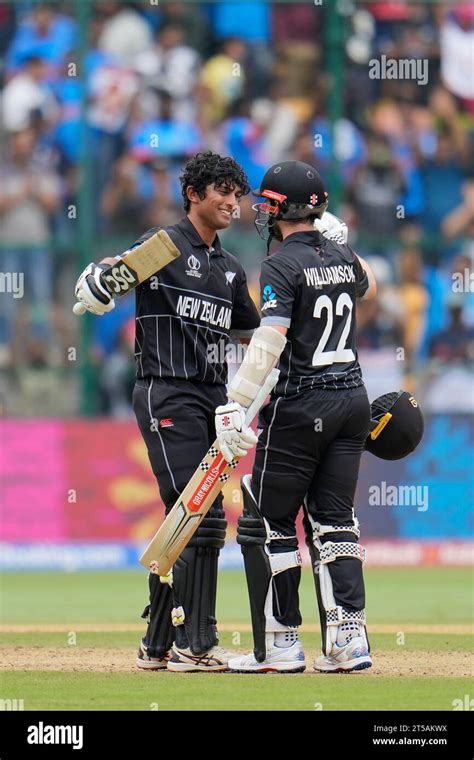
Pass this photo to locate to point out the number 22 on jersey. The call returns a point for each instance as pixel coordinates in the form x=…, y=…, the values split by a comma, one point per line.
x=324, y=306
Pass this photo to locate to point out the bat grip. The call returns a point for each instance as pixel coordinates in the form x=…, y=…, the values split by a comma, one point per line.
x=79, y=309
x=266, y=388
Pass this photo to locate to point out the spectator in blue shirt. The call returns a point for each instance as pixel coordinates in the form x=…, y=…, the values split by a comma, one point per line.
x=44, y=33
x=251, y=23
x=167, y=136
x=243, y=140
x=442, y=181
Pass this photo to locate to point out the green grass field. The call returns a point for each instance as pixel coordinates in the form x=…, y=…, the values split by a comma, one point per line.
x=69, y=642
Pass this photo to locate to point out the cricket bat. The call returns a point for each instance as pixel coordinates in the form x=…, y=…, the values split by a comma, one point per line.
x=191, y=507
x=137, y=265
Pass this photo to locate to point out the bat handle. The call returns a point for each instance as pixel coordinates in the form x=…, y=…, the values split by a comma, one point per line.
x=79, y=309
x=266, y=388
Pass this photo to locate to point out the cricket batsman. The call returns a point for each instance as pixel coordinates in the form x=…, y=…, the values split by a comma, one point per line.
x=185, y=316
x=313, y=431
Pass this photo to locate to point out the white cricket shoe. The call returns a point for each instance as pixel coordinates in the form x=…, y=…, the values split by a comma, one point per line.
x=278, y=660
x=184, y=661
x=346, y=658
x=145, y=662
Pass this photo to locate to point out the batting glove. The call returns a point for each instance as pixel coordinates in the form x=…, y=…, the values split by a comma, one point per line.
x=234, y=436
x=91, y=291
x=332, y=227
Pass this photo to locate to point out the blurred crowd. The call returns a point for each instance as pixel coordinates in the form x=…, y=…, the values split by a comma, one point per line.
x=155, y=82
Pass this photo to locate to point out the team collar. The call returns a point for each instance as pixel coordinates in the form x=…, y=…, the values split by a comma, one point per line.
x=310, y=237
x=190, y=232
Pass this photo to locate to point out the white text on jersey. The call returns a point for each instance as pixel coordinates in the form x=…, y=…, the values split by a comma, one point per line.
x=205, y=311
x=319, y=276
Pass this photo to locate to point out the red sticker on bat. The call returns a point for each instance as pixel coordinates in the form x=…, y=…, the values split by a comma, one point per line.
x=208, y=480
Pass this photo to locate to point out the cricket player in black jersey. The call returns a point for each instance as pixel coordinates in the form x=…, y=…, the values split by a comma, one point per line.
x=193, y=305
x=313, y=433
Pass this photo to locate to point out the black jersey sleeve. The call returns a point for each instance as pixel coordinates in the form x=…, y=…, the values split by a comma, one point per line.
x=362, y=281
x=245, y=317
x=278, y=285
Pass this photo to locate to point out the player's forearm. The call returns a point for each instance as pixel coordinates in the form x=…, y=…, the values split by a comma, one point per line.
x=109, y=260
x=261, y=357
x=279, y=328
x=371, y=291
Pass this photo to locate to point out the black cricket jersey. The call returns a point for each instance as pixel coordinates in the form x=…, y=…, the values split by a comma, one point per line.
x=186, y=313
x=310, y=286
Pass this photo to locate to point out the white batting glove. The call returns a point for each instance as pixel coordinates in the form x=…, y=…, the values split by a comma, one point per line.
x=91, y=291
x=332, y=227
x=235, y=438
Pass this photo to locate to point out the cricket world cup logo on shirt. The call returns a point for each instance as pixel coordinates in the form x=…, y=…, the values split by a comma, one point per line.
x=194, y=266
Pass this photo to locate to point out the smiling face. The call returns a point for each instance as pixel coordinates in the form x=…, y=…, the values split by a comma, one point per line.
x=216, y=209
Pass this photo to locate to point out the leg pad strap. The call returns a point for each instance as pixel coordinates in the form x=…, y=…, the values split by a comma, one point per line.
x=337, y=615
x=321, y=530
x=331, y=551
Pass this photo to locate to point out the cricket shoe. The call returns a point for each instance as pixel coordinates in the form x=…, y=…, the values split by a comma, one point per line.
x=184, y=661
x=345, y=659
x=278, y=660
x=145, y=662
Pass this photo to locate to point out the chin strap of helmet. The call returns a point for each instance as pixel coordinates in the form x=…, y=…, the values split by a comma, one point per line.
x=270, y=237
x=271, y=232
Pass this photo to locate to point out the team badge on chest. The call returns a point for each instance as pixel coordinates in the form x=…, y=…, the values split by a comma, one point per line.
x=194, y=266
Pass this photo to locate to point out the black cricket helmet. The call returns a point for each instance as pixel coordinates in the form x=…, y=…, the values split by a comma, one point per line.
x=396, y=427
x=294, y=190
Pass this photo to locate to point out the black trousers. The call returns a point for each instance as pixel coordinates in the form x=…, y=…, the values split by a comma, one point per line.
x=176, y=420
x=309, y=449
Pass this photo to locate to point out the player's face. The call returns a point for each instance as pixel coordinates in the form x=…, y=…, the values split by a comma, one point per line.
x=218, y=207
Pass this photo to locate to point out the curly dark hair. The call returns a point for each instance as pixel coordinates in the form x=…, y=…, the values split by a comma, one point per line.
x=211, y=169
